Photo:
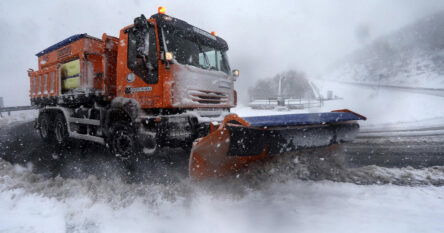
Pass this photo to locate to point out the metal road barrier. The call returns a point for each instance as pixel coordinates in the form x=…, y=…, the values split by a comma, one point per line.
x=420, y=90
x=15, y=108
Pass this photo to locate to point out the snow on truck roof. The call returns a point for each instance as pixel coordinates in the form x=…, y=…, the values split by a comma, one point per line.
x=64, y=42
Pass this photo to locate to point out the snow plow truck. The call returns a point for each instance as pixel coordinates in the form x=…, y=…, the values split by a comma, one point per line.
x=165, y=83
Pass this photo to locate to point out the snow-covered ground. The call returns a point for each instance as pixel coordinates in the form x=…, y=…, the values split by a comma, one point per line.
x=31, y=203
x=27, y=115
x=280, y=197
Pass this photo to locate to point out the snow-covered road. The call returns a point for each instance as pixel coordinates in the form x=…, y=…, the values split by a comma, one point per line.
x=32, y=203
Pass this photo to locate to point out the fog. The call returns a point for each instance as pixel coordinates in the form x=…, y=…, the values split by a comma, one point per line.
x=264, y=37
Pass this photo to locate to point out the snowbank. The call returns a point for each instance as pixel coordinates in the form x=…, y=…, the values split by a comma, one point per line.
x=30, y=203
x=284, y=202
x=28, y=115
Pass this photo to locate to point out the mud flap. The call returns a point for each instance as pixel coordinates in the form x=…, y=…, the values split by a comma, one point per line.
x=236, y=142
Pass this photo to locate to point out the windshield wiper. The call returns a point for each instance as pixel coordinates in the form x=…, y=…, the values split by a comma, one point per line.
x=207, y=61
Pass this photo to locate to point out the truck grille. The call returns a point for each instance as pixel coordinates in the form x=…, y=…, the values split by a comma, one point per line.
x=208, y=97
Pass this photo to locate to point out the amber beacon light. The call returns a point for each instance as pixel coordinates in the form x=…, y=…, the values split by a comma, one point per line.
x=161, y=10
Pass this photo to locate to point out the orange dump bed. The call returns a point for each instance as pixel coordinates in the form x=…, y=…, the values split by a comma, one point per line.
x=80, y=64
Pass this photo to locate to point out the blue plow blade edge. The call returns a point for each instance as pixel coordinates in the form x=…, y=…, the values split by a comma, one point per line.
x=302, y=119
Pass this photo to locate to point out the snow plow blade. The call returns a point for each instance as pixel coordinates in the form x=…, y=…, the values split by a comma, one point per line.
x=236, y=142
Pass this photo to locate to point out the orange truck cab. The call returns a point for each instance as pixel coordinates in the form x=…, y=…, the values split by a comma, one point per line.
x=159, y=84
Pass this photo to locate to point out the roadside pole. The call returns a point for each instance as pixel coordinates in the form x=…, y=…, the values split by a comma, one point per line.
x=1, y=105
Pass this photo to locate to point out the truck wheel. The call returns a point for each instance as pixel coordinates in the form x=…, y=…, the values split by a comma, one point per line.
x=45, y=127
x=123, y=142
x=61, y=129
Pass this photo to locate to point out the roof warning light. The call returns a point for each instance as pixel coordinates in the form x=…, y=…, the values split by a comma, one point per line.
x=161, y=10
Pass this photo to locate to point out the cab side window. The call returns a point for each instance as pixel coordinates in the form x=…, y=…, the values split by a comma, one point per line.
x=142, y=54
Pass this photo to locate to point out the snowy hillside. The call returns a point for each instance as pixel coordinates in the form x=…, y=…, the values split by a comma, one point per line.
x=412, y=56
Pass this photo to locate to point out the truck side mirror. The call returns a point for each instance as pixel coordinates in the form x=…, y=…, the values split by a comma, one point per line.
x=140, y=32
x=235, y=73
x=141, y=23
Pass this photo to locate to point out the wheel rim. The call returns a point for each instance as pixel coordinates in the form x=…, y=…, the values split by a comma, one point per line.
x=44, y=128
x=123, y=144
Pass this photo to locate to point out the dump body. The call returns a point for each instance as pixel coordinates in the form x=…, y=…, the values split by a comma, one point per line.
x=76, y=67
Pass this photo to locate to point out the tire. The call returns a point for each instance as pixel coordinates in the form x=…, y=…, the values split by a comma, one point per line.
x=61, y=130
x=45, y=129
x=123, y=142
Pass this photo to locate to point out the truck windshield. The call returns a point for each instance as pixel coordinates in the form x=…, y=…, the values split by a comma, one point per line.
x=187, y=51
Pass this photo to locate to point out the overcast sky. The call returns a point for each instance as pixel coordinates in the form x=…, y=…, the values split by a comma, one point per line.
x=265, y=37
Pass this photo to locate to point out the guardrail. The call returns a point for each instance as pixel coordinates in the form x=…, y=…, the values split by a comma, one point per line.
x=420, y=90
x=289, y=103
x=15, y=108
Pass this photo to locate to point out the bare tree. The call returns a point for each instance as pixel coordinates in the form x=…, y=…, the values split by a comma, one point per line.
x=294, y=84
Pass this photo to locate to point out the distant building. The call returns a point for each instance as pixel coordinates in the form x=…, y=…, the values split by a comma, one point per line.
x=1, y=102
